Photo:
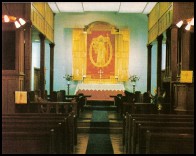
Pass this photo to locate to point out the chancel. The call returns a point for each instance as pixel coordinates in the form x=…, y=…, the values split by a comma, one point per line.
x=98, y=78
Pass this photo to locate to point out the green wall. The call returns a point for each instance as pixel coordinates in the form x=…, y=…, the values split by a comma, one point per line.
x=136, y=23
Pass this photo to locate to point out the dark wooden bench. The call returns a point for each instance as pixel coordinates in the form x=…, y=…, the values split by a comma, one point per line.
x=169, y=143
x=80, y=99
x=65, y=128
x=47, y=106
x=132, y=141
x=18, y=131
x=129, y=116
x=130, y=128
x=141, y=137
x=28, y=142
x=149, y=108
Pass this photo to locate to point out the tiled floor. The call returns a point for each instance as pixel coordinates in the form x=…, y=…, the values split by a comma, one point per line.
x=82, y=143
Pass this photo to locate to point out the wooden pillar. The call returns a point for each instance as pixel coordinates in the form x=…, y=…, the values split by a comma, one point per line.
x=51, y=67
x=173, y=54
x=168, y=52
x=42, y=65
x=185, y=51
x=159, y=56
x=28, y=56
x=179, y=52
x=149, y=46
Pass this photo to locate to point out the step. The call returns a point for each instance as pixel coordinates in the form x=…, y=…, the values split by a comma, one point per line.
x=100, y=103
x=99, y=107
x=100, y=130
x=112, y=123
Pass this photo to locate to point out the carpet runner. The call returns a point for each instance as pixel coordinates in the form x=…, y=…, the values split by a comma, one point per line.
x=99, y=139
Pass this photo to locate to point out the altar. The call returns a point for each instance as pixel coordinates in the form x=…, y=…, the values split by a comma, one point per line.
x=100, y=92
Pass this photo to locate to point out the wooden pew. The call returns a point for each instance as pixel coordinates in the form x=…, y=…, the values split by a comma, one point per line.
x=56, y=105
x=130, y=128
x=132, y=141
x=159, y=122
x=20, y=131
x=169, y=143
x=141, y=137
x=149, y=108
x=118, y=102
x=128, y=116
x=64, y=127
x=28, y=143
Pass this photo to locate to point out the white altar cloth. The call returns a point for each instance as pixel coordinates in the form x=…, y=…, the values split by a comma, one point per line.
x=112, y=87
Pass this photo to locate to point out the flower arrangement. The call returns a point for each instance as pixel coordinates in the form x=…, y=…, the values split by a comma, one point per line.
x=134, y=78
x=68, y=77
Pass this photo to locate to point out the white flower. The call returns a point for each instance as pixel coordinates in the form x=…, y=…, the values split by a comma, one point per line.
x=134, y=78
x=68, y=77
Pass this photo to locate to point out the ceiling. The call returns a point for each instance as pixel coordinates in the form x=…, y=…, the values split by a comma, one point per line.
x=118, y=7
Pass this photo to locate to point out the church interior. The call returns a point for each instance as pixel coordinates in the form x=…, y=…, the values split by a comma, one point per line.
x=98, y=77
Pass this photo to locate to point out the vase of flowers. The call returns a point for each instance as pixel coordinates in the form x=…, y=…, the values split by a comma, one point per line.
x=134, y=79
x=68, y=78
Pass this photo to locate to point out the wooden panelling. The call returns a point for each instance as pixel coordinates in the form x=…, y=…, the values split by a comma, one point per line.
x=163, y=7
x=43, y=19
x=49, y=32
x=14, y=9
x=183, y=97
x=153, y=33
x=4, y=95
x=165, y=21
x=153, y=16
x=8, y=52
x=182, y=11
x=37, y=20
x=49, y=16
x=160, y=18
x=20, y=50
x=9, y=86
x=18, y=54
x=40, y=7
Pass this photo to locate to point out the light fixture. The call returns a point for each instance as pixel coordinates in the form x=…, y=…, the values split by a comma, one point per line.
x=189, y=22
x=179, y=24
x=22, y=21
x=188, y=27
x=6, y=18
x=17, y=24
x=17, y=21
x=192, y=21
